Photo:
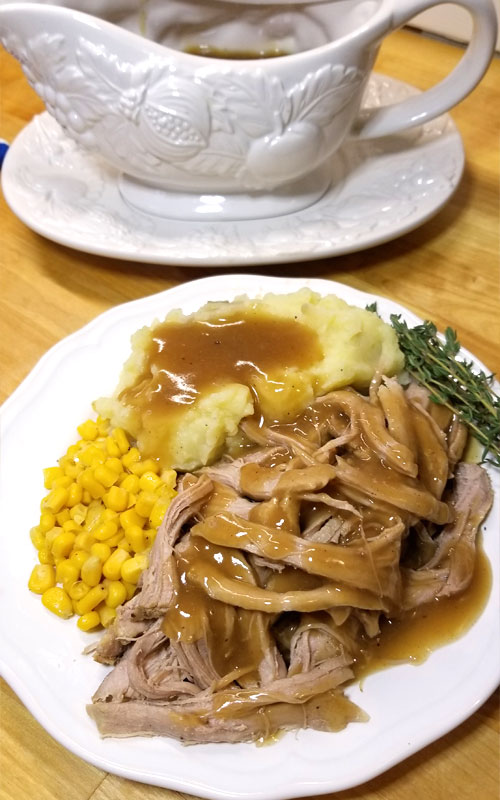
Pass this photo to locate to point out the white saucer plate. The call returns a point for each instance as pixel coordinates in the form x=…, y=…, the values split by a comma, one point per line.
x=41, y=656
x=379, y=190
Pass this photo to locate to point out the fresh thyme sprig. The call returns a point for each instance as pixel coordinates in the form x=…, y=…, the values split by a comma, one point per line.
x=452, y=382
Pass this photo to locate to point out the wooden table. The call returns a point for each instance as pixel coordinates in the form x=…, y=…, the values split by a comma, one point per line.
x=446, y=270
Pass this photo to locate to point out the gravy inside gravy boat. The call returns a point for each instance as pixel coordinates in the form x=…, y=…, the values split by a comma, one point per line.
x=242, y=102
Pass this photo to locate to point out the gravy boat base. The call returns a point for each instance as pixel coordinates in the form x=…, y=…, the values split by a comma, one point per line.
x=234, y=206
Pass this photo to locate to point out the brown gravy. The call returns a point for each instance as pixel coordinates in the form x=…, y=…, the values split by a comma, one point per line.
x=237, y=55
x=185, y=359
x=413, y=638
x=236, y=638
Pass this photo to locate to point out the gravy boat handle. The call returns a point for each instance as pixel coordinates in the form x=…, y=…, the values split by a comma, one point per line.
x=447, y=93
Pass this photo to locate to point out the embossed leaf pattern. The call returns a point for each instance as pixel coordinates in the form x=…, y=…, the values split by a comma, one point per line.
x=107, y=76
x=247, y=103
x=322, y=94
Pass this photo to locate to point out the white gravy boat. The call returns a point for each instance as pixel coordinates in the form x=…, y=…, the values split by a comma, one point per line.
x=190, y=125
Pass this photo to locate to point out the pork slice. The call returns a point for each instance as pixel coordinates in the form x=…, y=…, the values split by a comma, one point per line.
x=334, y=530
x=418, y=394
x=432, y=451
x=328, y=712
x=456, y=439
x=298, y=446
x=369, y=418
x=227, y=472
x=404, y=494
x=224, y=498
x=450, y=569
x=160, y=576
x=194, y=658
x=124, y=630
x=148, y=670
x=154, y=670
x=394, y=404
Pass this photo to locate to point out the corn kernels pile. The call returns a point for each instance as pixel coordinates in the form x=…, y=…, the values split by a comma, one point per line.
x=97, y=525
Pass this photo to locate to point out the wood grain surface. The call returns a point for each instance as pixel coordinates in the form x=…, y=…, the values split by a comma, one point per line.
x=446, y=270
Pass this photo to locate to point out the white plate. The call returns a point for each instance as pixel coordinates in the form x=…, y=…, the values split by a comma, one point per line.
x=41, y=657
x=380, y=190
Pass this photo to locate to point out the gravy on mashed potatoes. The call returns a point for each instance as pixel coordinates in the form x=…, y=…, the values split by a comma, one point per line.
x=190, y=380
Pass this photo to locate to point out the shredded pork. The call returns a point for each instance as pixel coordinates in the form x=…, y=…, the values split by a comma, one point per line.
x=272, y=571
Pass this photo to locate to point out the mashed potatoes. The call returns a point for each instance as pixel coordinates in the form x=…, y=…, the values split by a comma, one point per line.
x=191, y=379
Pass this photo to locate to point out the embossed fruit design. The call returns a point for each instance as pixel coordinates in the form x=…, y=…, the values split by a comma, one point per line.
x=282, y=154
x=175, y=120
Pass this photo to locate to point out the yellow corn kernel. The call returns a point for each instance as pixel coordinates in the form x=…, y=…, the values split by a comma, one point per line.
x=103, y=425
x=132, y=499
x=101, y=550
x=47, y=521
x=121, y=439
x=145, y=502
x=64, y=481
x=158, y=512
x=116, y=498
x=112, y=566
x=89, y=621
x=78, y=590
x=73, y=450
x=133, y=567
x=106, y=476
x=71, y=469
x=93, y=455
x=132, y=457
x=107, y=615
x=149, y=536
x=57, y=600
x=91, y=571
x=78, y=513
x=84, y=541
x=42, y=578
x=108, y=515
x=62, y=516
x=88, y=430
x=112, y=448
x=37, y=537
x=45, y=556
x=149, y=481
x=135, y=537
x=123, y=544
x=105, y=531
x=50, y=474
x=94, y=515
x=130, y=588
x=86, y=497
x=71, y=525
x=78, y=558
x=63, y=544
x=67, y=573
x=117, y=594
x=140, y=467
x=169, y=478
x=113, y=542
x=91, y=599
x=131, y=517
x=130, y=483
x=115, y=464
x=91, y=485
x=52, y=534
x=75, y=494
x=55, y=500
